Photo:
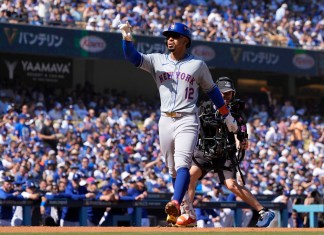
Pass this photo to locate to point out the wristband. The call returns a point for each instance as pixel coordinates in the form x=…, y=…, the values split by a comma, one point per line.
x=43, y=204
x=224, y=110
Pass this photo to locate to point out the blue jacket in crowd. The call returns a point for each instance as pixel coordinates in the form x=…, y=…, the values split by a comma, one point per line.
x=6, y=212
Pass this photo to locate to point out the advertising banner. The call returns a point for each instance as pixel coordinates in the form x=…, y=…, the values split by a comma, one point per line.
x=74, y=43
x=27, y=69
x=58, y=41
x=242, y=57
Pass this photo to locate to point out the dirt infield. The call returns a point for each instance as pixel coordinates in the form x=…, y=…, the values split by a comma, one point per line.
x=42, y=229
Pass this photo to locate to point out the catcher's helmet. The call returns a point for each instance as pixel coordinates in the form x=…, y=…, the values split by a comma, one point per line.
x=180, y=29
x=225, y=84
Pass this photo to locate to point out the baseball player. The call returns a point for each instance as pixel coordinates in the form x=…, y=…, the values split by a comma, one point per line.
x=29, y=193
x=70, y=215
x=226, y=165
x=7, y=193
x=178, y=76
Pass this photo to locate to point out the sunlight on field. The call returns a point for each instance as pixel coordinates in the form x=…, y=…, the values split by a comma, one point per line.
x=180, y=232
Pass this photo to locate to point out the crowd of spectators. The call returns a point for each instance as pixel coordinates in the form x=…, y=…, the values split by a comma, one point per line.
x=112, y=141
x=296, y=24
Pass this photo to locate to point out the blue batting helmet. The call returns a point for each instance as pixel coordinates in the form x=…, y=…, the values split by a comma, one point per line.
x=181, y=29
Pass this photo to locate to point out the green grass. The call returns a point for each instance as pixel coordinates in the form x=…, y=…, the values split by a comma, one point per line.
x=179, y=233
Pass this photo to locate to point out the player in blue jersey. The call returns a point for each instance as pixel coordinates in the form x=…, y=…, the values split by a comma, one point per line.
x=70, y=215
x=7, y=193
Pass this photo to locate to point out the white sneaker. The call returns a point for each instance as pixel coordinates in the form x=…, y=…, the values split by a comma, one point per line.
x=265, y=219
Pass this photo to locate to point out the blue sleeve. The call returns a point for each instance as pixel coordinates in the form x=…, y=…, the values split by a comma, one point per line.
x=131, y=54
x=9, y=196
x=69, y=193
x=127, y=168
x=133, y=192
x=47, y=210
x=216, y=96
x=98, y=196
x=231, y=197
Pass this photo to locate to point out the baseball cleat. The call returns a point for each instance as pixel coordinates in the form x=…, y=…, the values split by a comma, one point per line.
x=173, y=208
x=171, y=219
x=186, y=221
x=265, y=219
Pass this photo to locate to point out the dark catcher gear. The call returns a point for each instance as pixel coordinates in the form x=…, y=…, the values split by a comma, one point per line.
x=216, y=145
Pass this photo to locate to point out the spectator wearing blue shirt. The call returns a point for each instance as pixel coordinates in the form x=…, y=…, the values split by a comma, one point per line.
x=114, y=177
x=36, y=172
x=58, y=173
x=50, y=167
x=85, y=168
x=132, y=166
x=122, y=143
x=70, y=215
x=4, y=137
x=7, y=193
x=21, y=128
x=132, y=189
x=22, y=174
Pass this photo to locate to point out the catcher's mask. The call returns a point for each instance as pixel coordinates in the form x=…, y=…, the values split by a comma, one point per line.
x=225, y=84
x=178, y=28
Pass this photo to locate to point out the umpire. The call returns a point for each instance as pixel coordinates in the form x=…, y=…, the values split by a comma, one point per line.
x=217, y=152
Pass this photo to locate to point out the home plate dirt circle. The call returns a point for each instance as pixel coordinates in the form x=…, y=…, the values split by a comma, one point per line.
x=42, y=229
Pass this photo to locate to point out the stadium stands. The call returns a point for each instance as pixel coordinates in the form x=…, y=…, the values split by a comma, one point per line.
x=296, y=24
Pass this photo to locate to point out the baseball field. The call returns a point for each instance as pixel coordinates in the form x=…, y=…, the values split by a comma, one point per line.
x=157, y=231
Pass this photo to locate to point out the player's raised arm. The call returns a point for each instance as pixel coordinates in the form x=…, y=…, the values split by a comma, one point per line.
x=130, y=52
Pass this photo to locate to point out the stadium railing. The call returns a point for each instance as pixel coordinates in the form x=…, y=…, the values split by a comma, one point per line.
x=312, y=210
x=135, y=217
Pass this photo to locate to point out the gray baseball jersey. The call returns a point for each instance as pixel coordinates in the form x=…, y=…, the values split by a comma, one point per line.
x=178, y=81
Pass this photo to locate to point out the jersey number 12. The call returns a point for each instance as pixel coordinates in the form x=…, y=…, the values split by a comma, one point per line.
x=189, y=93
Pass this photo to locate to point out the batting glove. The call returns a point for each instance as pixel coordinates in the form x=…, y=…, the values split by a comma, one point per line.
x=231, y=123
x=126, y=30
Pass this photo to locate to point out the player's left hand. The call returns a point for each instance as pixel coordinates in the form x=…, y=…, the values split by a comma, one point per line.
x=231, y=123
x=126, y=30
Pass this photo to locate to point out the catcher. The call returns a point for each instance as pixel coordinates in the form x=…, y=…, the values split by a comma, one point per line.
x=217, y=151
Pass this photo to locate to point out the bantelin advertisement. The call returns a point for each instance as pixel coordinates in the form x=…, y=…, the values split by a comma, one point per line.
x=36, y=69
